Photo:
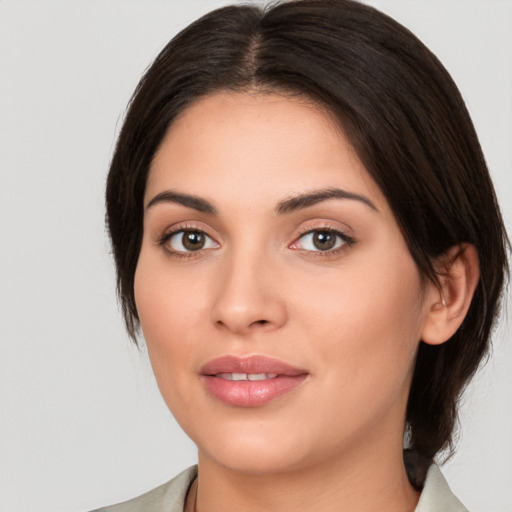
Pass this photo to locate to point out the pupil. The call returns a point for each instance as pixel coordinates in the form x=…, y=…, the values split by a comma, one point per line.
x=324, y=240
x=193, y=240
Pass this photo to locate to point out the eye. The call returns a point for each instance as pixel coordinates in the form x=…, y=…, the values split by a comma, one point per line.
x=322, y=240
x=188, y=241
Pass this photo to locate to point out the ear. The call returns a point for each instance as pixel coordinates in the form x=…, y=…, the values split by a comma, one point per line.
x=458, y=274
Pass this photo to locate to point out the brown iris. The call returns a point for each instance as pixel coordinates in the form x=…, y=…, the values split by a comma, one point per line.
x=324, y=240
x=193, y=240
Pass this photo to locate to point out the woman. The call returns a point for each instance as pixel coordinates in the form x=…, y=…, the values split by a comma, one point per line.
x=305, y=230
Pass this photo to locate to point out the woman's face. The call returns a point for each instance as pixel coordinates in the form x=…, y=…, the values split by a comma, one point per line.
x=280, y=305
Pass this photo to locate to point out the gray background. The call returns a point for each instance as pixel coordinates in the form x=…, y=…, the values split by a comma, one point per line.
x=81, y=421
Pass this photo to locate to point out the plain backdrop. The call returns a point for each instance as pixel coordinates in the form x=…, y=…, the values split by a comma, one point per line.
x=81, y=421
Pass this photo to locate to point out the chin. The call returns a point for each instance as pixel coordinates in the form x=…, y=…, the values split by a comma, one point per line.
x=257, y=447
x=253, y=459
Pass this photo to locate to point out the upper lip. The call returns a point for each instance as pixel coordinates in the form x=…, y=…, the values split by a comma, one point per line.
x=250, y=364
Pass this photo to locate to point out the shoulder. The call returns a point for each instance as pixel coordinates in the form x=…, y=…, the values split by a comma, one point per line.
x=436, y=495
x=169, y=497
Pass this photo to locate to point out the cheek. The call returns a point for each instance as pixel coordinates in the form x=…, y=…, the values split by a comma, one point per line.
x=168, y=302
x=170, y=313
x=366, y=322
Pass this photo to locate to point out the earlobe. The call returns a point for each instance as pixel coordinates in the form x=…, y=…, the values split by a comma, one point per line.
x=458, y=277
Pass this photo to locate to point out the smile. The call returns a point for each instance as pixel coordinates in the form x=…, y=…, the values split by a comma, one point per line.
x=250, y=382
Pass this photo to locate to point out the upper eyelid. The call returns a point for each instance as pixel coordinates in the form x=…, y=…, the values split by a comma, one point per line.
x=185, y=226
x=181, y=229
x=323, y=225
x=322, y=228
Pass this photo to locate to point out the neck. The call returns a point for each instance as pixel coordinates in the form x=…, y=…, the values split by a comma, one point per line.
x=360, y=484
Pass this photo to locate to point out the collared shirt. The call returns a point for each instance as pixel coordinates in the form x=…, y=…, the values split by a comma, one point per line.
x=436, y=495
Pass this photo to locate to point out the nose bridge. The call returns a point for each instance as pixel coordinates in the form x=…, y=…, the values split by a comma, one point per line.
x=247, y=295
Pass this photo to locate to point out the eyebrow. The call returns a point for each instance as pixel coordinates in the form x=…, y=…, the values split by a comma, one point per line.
x=309, y=199
x=197, y=203
x=287, y=206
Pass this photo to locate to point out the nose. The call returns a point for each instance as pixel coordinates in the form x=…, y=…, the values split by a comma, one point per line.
x=249, y=296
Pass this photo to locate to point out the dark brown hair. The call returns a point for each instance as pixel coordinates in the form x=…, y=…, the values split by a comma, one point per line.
x=405, y=118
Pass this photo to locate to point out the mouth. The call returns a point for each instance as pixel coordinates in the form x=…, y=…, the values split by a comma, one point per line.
x=246, y=376
x=250, y=381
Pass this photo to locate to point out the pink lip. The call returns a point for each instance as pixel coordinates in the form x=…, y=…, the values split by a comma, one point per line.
x=247, y=393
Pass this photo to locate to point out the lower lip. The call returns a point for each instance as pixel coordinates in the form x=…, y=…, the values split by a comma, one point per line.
x=247, y=393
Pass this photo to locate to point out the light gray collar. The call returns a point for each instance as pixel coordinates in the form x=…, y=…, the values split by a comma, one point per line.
x=436, y=495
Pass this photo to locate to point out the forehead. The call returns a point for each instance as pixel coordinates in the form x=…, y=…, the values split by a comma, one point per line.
x=255, y=144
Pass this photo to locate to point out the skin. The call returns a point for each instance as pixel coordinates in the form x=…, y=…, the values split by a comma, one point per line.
x=352, y=317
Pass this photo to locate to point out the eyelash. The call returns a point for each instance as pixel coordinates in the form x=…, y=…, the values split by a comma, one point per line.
x=166, y=237
x=347, y=241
